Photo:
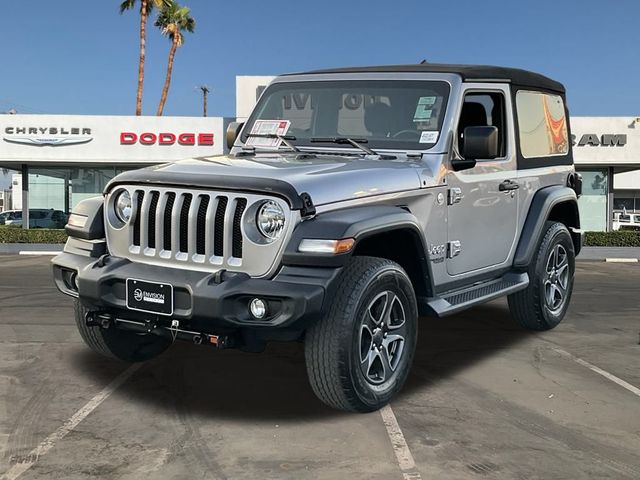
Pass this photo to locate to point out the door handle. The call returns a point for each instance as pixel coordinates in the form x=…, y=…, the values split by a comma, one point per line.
x=508, y=185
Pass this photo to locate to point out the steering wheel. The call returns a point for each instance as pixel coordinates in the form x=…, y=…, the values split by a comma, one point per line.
x=406, y=131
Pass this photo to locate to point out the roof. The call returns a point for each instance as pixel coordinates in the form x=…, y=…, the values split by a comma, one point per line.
x=489, y=73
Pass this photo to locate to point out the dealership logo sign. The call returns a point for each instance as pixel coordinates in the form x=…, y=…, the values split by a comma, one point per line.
x=606, y=140
x=166, y=138
x=47, y=136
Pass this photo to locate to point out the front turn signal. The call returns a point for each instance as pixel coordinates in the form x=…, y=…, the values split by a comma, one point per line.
x=335, y=247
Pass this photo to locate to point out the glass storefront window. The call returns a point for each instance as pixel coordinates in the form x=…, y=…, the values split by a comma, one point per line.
x=593, y=202
x=622, y=203
x=63, y=188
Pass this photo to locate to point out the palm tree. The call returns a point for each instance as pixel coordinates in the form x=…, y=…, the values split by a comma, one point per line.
x=172, y=21
x=145, y=8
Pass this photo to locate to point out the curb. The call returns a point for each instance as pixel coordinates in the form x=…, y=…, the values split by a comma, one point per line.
x=18, y=248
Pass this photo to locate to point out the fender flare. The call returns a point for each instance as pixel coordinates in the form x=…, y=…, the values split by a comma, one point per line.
x=93, y=229
x=358, y=223
x=539, y=211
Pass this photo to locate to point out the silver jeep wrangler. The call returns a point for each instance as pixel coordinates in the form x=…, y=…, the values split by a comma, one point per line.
x=353, y=201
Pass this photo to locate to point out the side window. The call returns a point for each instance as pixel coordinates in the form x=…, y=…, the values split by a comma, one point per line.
x=542, y=125
x=484, y=109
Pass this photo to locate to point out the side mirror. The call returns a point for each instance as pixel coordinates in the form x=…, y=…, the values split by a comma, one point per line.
x=479, y=143
x=233, y=130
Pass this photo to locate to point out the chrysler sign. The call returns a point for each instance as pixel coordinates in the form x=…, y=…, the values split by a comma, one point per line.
x=47, y=136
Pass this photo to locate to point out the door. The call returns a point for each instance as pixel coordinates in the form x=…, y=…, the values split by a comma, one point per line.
x=483, y=201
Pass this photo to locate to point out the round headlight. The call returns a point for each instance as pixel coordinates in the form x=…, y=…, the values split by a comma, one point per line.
x=270, y=220
x=122, y=206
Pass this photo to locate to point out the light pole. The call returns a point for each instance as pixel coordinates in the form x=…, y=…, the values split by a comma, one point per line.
x=205, y=91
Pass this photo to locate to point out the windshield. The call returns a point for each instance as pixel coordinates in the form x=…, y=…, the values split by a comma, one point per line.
x=387, y=114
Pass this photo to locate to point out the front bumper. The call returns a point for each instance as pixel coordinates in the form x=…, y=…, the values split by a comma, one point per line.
x=205, y=301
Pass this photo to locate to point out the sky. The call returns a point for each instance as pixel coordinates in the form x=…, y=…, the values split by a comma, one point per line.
x=80, y=57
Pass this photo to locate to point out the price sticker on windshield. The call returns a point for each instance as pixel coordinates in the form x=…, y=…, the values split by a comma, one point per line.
x=429, y=137
x=266, y=132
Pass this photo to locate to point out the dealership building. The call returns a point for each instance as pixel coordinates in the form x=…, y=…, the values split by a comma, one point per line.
x=63, y=159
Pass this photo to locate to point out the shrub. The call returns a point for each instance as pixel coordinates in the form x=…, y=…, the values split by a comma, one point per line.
x=621, y=238
x=13, y=234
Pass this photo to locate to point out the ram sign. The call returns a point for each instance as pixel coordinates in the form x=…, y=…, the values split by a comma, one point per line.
x=606, y=141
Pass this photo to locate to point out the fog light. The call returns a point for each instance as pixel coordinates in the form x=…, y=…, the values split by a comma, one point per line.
x=70, y=279
x=258, y=308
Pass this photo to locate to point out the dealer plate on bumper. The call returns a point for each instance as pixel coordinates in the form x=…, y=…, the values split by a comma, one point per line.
x=150, y=297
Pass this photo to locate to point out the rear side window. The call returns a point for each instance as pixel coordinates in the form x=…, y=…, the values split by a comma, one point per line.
x=542, y=124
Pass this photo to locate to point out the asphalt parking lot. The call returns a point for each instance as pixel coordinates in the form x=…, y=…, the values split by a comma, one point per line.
x=485, y=399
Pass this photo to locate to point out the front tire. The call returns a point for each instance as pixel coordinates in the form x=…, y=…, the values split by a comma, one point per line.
x=544, y=303
x=117, y=344
x=358, y=356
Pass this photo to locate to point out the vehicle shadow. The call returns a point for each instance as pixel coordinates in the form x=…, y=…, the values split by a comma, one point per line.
x=273, y=385
x=448, y=345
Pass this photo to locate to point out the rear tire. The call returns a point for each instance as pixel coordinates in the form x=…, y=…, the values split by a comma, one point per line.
x=118, y=344
x=358, y=356
x=544, y=303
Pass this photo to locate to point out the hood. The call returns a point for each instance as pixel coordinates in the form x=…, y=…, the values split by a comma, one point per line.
x=326, y=178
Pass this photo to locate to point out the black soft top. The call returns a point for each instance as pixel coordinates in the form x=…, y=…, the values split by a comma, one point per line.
x=485, y=73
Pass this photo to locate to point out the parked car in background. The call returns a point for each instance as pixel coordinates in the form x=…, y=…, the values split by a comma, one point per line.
x=626, y=221
x=38, y=218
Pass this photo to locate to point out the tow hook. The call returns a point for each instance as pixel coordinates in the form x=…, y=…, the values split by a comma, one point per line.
x=102, y=261
x=98, y=319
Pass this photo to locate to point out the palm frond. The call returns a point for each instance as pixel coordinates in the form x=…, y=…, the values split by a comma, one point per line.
x=127, y=5
x=174, y=19
x=151, y=4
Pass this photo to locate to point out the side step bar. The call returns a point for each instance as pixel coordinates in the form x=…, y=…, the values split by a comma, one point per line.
x=457, y=300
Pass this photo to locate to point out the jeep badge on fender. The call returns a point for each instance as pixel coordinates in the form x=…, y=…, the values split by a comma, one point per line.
x=353, y=202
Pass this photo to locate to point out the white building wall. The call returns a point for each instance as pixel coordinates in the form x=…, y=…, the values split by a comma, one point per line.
x=248, y=90
x=627, y=181
x=16, y=191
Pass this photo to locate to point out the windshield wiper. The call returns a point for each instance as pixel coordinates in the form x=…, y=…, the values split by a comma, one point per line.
x=354, y=142
x=286, y=139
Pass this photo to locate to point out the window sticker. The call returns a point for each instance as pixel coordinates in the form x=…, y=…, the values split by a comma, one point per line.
x=268, y=127
x=424, y=109
x=429, y=137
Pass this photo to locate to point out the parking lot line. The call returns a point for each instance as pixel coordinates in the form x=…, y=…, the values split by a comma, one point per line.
x=48, y=443
x=400, y=448
x=38, y=252
x=633, y=389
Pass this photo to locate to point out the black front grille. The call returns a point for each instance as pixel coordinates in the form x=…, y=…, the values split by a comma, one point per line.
x=201, y=225
x=151, y=227
x=184, y=223
x=198, y=225
x=218, y=238
x=138, y=219
x=237, y=231
x=166, y=228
